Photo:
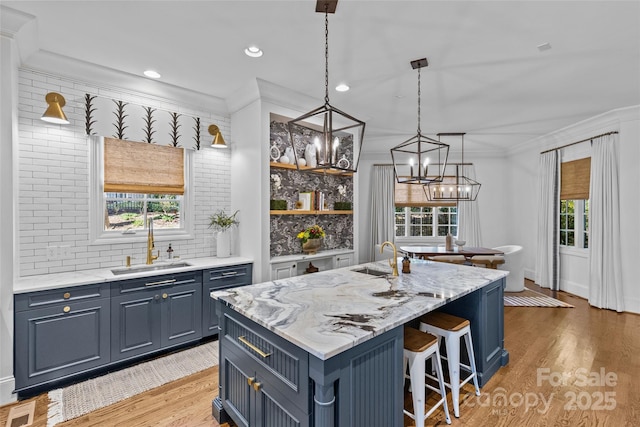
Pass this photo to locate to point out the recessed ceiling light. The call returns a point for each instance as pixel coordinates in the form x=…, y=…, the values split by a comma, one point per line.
x=544, y=46
x=342, y=87
x=152, y=74
x=253, y=51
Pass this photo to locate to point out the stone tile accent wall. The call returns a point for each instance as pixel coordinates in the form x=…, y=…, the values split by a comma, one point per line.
x=284, y=228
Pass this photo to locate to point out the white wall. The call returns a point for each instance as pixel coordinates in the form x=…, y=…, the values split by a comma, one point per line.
x=8, y=148
x=523, y=171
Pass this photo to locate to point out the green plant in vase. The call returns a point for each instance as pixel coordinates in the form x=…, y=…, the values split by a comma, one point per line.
x=222, y=223
x=342, y=205
x=276, y=204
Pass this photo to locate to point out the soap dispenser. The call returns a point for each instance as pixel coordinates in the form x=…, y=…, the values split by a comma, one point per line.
x=406, y=265
x=170, y=252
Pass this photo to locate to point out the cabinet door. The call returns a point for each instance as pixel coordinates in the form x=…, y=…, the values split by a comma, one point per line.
x=181, y=313
x=270, y=411
x=215, y=280
x=344, y=260
x=251, y=401
x=284, y=270
x=60, y=340
x=135, y=324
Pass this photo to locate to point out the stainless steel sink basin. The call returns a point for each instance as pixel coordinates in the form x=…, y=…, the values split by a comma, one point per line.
x=367, y=270
x=153, y=267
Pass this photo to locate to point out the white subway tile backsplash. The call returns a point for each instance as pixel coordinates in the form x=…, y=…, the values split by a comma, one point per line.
x=53, y=180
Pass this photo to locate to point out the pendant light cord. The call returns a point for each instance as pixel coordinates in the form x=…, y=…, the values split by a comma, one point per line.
x=326, y=53
x=419, y=101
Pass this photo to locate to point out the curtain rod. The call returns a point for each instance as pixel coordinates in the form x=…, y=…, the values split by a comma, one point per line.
x=578, y=142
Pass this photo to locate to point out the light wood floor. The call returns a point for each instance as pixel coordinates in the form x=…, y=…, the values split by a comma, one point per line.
x=544, y=344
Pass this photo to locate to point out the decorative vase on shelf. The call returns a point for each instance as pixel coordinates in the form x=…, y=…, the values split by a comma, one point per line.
x=223, y=244
x=311, y=246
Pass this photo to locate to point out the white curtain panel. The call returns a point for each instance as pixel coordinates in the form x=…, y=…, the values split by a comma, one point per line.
x=382, y=206
x=605, y=267
x=548, y=250
x=469, y=216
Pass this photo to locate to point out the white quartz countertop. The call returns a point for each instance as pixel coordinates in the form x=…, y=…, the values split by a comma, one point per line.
x=331, y=311
x=85, y=277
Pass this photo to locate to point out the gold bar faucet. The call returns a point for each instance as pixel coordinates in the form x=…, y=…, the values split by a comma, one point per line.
x=393, y=263
x=150, y=243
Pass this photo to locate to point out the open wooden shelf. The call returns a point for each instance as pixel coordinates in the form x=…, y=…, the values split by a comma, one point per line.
x=301, y=212
x=309, y=169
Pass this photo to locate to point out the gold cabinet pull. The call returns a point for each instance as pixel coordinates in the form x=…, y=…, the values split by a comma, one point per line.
x=161, y=282
x=66, y=295
x=244, y=341
x=257, y=386
x=66, y=309
x=251, y=380
x=164, y=296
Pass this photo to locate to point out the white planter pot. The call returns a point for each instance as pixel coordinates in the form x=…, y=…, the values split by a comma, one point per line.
x=223, y=244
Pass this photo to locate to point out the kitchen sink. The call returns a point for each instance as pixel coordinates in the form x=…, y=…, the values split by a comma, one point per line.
x=372, y=272
x=144, y=268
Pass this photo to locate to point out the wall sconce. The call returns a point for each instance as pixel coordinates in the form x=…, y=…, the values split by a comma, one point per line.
x=54, y=113
x=218, y=140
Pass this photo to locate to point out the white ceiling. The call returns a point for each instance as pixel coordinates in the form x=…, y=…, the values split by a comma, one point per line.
x=486, y=76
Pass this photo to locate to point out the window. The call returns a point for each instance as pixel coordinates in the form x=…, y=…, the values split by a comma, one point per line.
x=427, y=221
x=574, y=203
x=574, y=223
x=416, y=216
x=127, y=190
x=131, y=211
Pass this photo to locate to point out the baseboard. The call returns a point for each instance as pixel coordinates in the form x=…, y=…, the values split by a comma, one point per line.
x=632, y=305
x=530, y=274
x=574, y=288
x=7, y=385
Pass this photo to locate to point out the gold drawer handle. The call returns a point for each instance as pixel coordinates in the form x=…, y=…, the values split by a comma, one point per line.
x=66, y=295
x=251, y=380
x=164, y=296
x=244, y=341
x=66, y=309
x=257, y=386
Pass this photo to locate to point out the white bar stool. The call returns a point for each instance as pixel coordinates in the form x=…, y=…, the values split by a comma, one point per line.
x=418, y=347
x=452, y=328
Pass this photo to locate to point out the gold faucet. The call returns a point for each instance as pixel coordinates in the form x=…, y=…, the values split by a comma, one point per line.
x=393, y=263
x=150, y=244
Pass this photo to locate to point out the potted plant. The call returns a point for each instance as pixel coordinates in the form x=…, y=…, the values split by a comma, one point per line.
x=342, y=205
x=221, y=223
x=277, y=204
x=311, y=238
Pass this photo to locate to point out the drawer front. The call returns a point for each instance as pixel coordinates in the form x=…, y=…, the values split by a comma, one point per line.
x=135, y=285
x=224, y=277
x=48, y=298
x=279, y=363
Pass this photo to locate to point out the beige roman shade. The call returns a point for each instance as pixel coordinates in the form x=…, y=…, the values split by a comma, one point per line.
x=413, y=196
x=574, y=179
x=140, y=167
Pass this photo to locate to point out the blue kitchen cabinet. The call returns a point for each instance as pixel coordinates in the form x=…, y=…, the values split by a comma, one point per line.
x=216, y=279
x=156, y=312
x=60, y=332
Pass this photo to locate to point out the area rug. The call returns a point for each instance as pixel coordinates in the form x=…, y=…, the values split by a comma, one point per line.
x=81, y=398
x=529, y=298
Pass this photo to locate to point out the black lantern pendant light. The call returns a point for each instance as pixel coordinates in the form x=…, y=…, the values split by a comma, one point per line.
x=327, y=137
x=420, y=159
x=455, y=187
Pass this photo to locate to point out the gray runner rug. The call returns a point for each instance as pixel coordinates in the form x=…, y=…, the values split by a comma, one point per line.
x=81, y=398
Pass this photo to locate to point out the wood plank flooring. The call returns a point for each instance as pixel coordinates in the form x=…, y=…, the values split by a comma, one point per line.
x=568, y=367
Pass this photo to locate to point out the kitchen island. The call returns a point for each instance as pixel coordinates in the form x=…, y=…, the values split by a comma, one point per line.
x=325, y=349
